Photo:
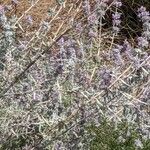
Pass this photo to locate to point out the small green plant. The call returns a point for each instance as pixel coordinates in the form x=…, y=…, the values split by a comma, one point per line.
x=122, y=136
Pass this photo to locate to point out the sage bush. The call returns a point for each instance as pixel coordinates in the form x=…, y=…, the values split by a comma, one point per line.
x=78, y=80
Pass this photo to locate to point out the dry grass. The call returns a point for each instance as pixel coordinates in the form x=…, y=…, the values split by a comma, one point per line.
x=39, y=11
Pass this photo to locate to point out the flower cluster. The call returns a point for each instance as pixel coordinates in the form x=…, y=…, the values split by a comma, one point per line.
x=116, y=17
x=86, y=7
x=116, y=22
x=117, y=3
x=145, y=18
x=142, y=42
x=116, y=55
x=106, y=76
x=143, y=14
x=79, y=28
x=127, y=48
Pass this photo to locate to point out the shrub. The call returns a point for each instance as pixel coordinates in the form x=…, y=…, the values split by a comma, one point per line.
x=123, y=136
x=70, y=69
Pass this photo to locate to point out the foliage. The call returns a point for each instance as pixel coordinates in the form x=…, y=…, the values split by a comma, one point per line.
x=70, y=68
x=123, y=136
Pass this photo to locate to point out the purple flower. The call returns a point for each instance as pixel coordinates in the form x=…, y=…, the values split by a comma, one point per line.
x=136, y=62
x=146, y=25
x=146, y=34
x=92, y=19
x=145, y=18
x=117, y=56
x=141, y=9
x=142, y=42
x=116, y=21
x=79, y=28
x=92, y=33
x=86, y=7
x=143, y=14
x=61, y=42
x=116, y=29
x=118, y=4
x=116, y=16
x=127, y=48
x=119, y=47
x=106, y=77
